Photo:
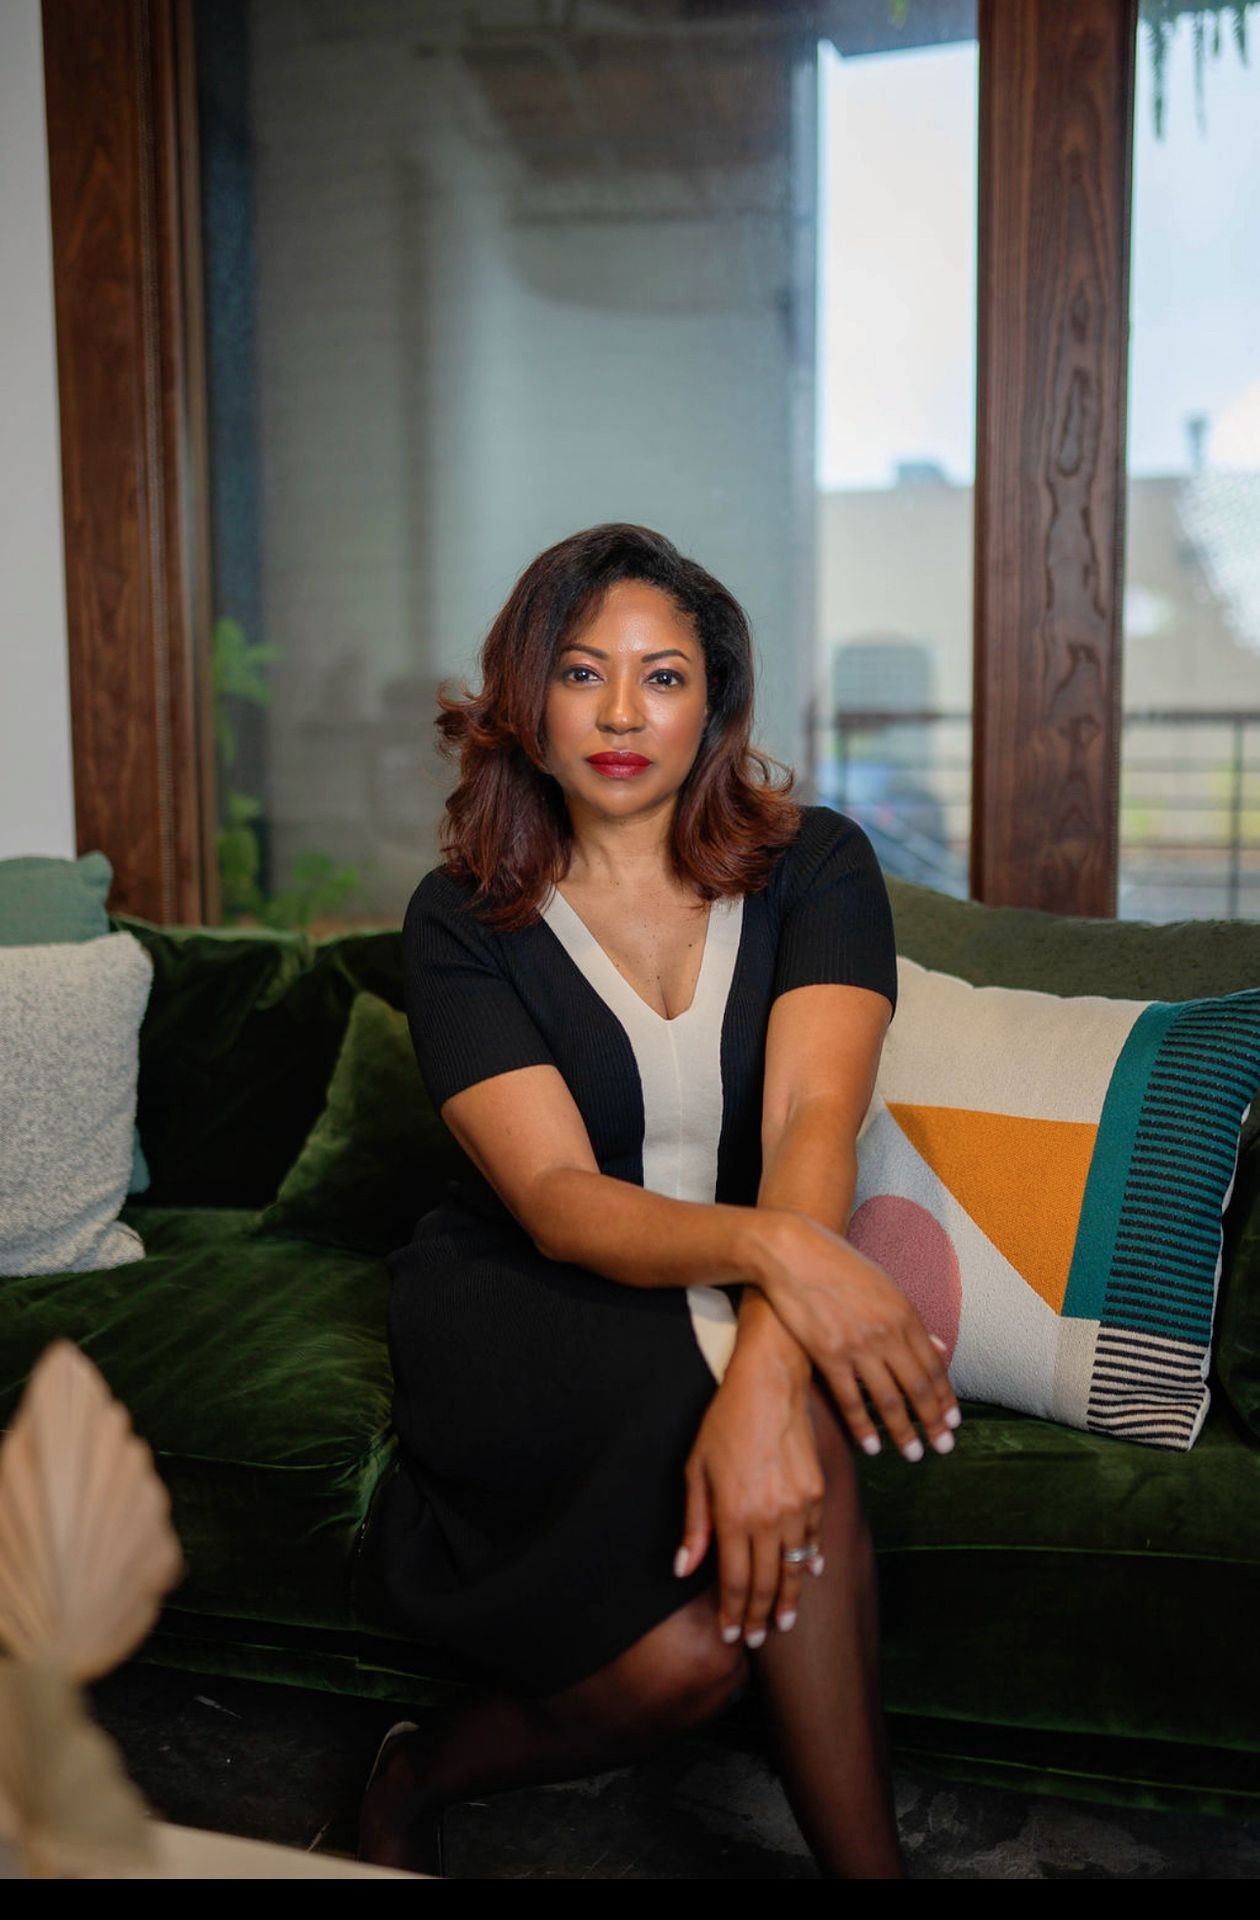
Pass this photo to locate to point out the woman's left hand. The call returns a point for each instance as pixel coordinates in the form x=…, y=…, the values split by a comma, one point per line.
x=754, y=1479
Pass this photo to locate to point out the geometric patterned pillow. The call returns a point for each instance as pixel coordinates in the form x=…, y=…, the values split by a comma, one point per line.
x=1045, y=1177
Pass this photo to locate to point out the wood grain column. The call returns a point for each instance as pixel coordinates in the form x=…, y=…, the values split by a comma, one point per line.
x=1055, y=160
x=123, y=177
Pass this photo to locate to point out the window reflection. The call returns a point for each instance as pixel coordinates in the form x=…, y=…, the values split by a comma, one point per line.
x=1190, y=779
x=480, y=275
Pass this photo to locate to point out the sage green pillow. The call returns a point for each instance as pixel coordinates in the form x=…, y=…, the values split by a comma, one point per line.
x=46, y=901
x=378, y=1156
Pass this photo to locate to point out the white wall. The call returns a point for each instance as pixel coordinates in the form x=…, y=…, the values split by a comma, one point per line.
x=36, y=779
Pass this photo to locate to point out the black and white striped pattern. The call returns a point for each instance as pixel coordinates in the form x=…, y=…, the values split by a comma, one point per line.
x=1147, y=1387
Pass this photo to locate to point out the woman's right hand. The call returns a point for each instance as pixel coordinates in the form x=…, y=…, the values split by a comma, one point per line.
x=857, y=1326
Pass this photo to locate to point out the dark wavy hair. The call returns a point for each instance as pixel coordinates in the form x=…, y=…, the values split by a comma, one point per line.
x=506, y=824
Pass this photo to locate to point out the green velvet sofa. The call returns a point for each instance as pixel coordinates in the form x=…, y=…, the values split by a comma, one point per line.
x=1062, y=1612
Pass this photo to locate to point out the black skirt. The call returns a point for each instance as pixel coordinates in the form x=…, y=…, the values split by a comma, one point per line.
x=545, y=1415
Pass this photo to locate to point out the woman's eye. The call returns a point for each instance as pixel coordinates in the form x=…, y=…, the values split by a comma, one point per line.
x=671, y=673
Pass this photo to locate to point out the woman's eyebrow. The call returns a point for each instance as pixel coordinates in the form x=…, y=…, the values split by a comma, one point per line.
x=579, y=646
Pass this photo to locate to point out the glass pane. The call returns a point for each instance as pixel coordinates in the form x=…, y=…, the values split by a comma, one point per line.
x=896, y=446
x=479, y=276
x=1190, y=768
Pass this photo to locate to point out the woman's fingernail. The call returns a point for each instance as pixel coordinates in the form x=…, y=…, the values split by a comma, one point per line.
x=680, y=1562
x=944, y=1443
x=913, y=1449
x=817, y=1564
x=786, y=1622
x=871, y=1443
x=953, y=1418
x=756, y=1637
x=730, y=1635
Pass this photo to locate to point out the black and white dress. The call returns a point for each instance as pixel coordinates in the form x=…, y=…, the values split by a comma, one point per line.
x=545, y=1412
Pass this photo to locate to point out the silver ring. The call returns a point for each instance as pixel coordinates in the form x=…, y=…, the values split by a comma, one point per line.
x=797, y=1556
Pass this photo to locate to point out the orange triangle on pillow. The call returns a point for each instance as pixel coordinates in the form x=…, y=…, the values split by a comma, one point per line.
x=1022, y=1182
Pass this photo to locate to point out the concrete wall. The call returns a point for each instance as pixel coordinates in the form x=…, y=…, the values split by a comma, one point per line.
x=36, y=781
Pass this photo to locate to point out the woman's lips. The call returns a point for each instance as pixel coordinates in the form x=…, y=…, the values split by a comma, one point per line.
x=618, y=766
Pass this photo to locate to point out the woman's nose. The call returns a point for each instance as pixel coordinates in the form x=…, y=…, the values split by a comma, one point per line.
x=620, y=705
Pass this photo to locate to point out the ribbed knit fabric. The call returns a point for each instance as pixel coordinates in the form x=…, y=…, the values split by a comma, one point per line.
x=545, y=1412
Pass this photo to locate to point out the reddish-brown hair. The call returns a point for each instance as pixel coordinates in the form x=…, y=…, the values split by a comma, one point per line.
x=506, y=823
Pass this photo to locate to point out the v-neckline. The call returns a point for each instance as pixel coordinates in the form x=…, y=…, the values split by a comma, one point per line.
x=613, y=971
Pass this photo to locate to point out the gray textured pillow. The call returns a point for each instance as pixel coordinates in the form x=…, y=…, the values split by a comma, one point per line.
x=70, y=1019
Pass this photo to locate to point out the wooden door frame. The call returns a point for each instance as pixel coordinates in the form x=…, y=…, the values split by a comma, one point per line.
x=120, y=98
x=1055, y=190
x=1055, y=158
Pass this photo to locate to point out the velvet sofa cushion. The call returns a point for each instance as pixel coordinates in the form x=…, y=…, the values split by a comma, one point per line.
x=47, y=901
x=1040, y=1576
x=239, y=1043
x=1045, y=1176
x=258, y=1372
x=378, y=1156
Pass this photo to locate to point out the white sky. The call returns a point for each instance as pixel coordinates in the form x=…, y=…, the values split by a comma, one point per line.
x=896, y=319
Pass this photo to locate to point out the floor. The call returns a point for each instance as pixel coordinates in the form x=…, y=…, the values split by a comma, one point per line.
x=280, y=1764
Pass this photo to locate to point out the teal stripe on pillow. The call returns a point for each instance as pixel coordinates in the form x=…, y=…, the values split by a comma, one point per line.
x=1103, y=1204
x=1163, y=1269
x=1150, y=1230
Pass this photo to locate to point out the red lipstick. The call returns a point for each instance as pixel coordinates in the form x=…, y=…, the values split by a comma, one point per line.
x=618, y=766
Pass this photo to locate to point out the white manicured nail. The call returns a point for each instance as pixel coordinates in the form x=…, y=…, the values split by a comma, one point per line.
x=913, y=1449
x=817, y=1564
x=756, y=1637
x=786, y=1622
x=953, y=1418
x=730, y=1634
x=871, y=1443
x=944, y=1443
x=680, y=1562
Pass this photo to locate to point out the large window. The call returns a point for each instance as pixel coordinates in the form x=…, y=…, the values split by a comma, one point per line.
x=896, y=448
x=477, y=277
x=1190, y=794
x=847, y=296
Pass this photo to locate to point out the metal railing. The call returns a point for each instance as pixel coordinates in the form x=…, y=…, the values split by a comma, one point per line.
x=1202, y=836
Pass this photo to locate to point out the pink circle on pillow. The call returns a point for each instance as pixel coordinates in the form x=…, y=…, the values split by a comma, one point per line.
x=914, y=1249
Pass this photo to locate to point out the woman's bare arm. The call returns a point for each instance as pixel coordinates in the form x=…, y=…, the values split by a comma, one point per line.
x=524, y=1132
x=823, y=1046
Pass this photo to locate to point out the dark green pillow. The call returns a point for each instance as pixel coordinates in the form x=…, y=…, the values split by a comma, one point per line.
x=46, y=901
x=378, y=1156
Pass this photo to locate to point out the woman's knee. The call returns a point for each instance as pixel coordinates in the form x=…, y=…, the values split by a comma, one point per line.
x=679, y=1674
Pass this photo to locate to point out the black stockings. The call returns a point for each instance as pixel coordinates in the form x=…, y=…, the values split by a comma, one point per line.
x=818, y=1685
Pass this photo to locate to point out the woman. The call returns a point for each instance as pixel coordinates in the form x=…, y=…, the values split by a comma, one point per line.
x=648, y=994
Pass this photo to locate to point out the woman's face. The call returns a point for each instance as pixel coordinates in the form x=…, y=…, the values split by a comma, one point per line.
x=631, y=683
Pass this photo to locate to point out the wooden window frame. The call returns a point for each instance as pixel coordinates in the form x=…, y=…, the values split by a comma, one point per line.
x=1056, y=94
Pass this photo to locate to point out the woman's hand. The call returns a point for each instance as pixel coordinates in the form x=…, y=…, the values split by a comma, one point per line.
x=856, y=1325
x=754, y=1480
